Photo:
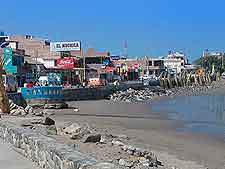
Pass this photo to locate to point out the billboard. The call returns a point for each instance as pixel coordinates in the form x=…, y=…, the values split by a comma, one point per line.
x=65, y=63
x=65, y=46
x=8, y=61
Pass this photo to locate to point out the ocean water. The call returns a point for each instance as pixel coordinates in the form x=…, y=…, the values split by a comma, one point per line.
x=199, y=114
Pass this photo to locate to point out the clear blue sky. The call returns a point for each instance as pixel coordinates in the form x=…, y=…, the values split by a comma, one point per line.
x=151, y=27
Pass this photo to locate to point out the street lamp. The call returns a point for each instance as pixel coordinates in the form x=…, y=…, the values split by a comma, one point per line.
x=84, y=66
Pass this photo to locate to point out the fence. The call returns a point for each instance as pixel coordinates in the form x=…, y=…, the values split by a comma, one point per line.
x=42, y=92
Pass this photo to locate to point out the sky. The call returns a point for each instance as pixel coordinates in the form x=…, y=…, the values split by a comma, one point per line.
x=150, y=27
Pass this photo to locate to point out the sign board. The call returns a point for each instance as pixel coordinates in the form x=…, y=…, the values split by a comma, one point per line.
x=65, y=46
x=115, y=57
x=8, y=61
x=65, y=63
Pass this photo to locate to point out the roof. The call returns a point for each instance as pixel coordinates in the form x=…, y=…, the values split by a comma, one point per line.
x=31, y=60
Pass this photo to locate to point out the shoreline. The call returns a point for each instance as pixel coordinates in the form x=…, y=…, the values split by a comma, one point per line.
x=145, y=129
x=137, y=120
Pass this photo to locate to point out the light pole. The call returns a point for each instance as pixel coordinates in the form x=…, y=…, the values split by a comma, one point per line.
x=37, y=69
x=84, y=66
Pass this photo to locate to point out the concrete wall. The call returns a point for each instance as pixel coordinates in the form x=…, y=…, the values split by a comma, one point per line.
x=97, y=93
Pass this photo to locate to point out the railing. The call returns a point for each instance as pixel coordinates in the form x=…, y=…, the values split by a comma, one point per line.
x=41, y=92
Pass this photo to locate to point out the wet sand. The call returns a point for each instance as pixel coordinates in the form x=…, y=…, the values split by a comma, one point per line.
x=152, y=130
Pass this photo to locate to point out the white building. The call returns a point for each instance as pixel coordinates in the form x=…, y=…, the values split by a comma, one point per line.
x=175, y=62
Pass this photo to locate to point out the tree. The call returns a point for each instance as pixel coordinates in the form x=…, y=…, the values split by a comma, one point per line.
x=4, y=100
x=208, y=62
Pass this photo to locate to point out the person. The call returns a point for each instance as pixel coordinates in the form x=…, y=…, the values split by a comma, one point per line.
x=30, y=84
x=84, y=83
x=25, y=84
x=37, y=84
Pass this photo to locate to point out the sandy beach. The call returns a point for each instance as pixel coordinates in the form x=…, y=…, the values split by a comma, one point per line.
x=152, y=130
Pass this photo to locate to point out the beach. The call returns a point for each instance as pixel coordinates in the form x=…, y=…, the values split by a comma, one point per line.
x=150, y=129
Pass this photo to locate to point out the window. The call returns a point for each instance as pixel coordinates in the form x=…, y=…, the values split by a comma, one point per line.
x=28, y=36
x=149, y=63
x=158, y=63
x=47, y=43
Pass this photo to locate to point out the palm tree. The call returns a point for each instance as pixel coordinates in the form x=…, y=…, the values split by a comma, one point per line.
x=4, y=100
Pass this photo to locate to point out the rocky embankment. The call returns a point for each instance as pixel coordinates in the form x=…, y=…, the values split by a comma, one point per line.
x=96, y=142
x=132, y=95
x=149, y=93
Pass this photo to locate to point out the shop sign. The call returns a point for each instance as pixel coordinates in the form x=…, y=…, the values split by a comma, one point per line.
x=135, y=66
x=105, y=62
x=65, y=46
x=65, y=63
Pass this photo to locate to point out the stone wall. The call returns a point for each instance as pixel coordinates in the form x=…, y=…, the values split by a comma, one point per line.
x=98, y=92
x=46, y=152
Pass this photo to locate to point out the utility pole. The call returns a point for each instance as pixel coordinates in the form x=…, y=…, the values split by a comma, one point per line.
x=222, y=60
x=36, y=56
x=84, y=66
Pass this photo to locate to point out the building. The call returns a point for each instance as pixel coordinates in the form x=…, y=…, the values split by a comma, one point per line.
x=207, y=53
x=36, y=48
x=175, y=62
x=153, y=66
x=13, y=63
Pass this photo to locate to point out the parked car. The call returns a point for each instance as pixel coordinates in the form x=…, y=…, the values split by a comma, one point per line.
x=223, y=75
x=117, y=78
x=147, y=77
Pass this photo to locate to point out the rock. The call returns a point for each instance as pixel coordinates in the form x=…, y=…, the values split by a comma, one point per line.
x=26, y=124
x=61, y=105
x=125, y=147
x=92, y=138
x=18, y=112
x=49, y=106
x=122, y=136
x=117, y=143
x=48, y=121
x=38, y=113
x=76, y=131
x=125, y=163
x=29, y=109
x=75, y=136
x=102, y=141
x=36, y=121
x=143, y=160
x=48, y=112
x=73, y=128
x=52, y=130
x=139, y=152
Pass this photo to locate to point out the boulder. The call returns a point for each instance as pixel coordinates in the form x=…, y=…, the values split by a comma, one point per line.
x=52, y=130
x=48, y=121
x=38, y=112
x=48, y=112
x=29, y=109
x=73, y=128
x=76, y=131
x=18, y=112
x=126, y=163
x=117, y=143
x=92, y=138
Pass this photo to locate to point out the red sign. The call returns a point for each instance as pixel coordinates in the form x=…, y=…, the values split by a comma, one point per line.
x=66, y=62
x=135, y=66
